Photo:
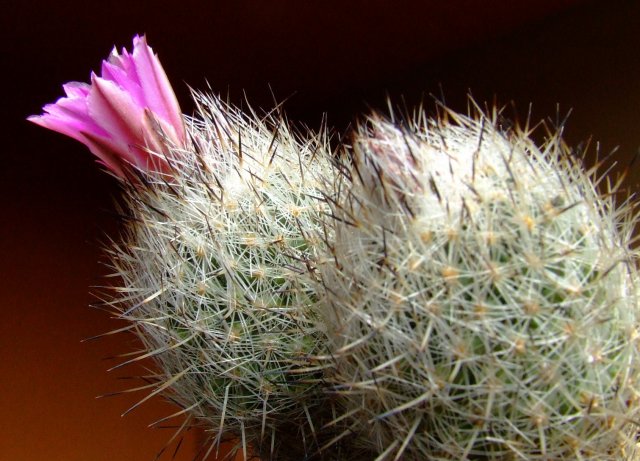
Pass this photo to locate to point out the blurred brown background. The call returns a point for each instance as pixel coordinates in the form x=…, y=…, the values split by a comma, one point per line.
x=333, y=57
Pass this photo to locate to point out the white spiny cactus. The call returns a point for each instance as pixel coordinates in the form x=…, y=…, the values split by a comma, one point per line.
x=482, y=298
x=213, y=270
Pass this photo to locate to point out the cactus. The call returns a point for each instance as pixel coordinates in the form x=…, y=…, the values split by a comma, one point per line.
x=481, y=299
x=211, y=266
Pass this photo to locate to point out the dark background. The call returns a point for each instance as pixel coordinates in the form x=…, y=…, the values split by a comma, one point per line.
x=327, y=57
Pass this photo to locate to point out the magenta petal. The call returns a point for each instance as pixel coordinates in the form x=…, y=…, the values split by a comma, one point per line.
x=76, y=90
x=69, y=116
x=106, y=151
x=123, y=79
x=159, y=95
x=68, y=127
x=75, y=112
x=116, y=111
x=125, y=62
x=126, y=121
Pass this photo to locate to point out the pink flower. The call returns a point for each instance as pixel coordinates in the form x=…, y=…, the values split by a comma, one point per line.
x=128, y=115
